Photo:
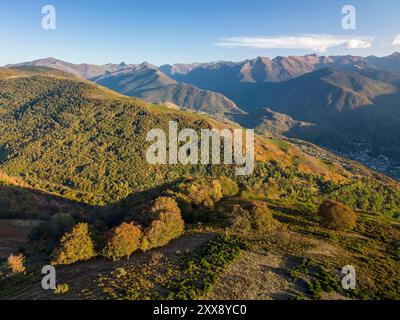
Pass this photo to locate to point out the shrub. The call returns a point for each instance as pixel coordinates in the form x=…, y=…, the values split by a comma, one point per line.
x=75, y=246
x=162, y=205
x=197, y=195
x=254, y=216
x=16, y=264
x=262, y=219
x=41, y=232
x=60, y=224
x=62, y=289
x=337, y=216
x=123, y=241
x=239, y=219
x=167, y=223
x=229, y=187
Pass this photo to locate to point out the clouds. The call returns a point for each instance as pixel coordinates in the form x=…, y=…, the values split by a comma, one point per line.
x=316, y=42
x=396, y=41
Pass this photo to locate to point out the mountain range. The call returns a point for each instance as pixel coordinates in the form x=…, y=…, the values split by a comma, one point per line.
x=353, y=103
x=83, y=70
x=348, y=104
x=147, y=82
x=224, y=74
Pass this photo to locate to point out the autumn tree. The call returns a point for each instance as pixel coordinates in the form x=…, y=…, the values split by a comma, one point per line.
x=262, y=219
x=76, y=245
x=15, y=264
x=167, y=224
x=197, y=196
x=123, y=241
x=252, y=217
x=337, y=216
x=229, y=187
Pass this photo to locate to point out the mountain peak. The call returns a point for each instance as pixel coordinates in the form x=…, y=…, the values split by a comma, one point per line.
x=148, y=65
x=395, y=55
x=47, y=60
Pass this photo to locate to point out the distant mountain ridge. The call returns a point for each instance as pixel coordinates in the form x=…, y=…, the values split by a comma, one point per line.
x=251, y=70
x=352, y=111
x=352, y=103
x=322, y=92
x=149, y=83
x=264, y=69
x=84, y=70
x=145, y=81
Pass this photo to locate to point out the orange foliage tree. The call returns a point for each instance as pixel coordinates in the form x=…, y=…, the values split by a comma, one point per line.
x=123, y=241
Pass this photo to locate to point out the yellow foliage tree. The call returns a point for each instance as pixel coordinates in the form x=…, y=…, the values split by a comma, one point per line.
x=16, y=264
x=167, y=224
x=76, y=245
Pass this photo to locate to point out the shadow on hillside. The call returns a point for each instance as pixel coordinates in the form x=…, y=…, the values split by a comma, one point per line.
x=141, y=196
x=291, y=216
x=18, y=202
x=25, y=203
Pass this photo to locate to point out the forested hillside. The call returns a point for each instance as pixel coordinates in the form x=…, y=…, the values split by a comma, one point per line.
x=87, y=143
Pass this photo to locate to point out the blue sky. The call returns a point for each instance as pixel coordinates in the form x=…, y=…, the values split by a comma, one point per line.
x=187, y=31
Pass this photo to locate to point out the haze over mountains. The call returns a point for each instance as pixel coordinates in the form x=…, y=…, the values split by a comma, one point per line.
x=83, y=70
x=348, y=104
